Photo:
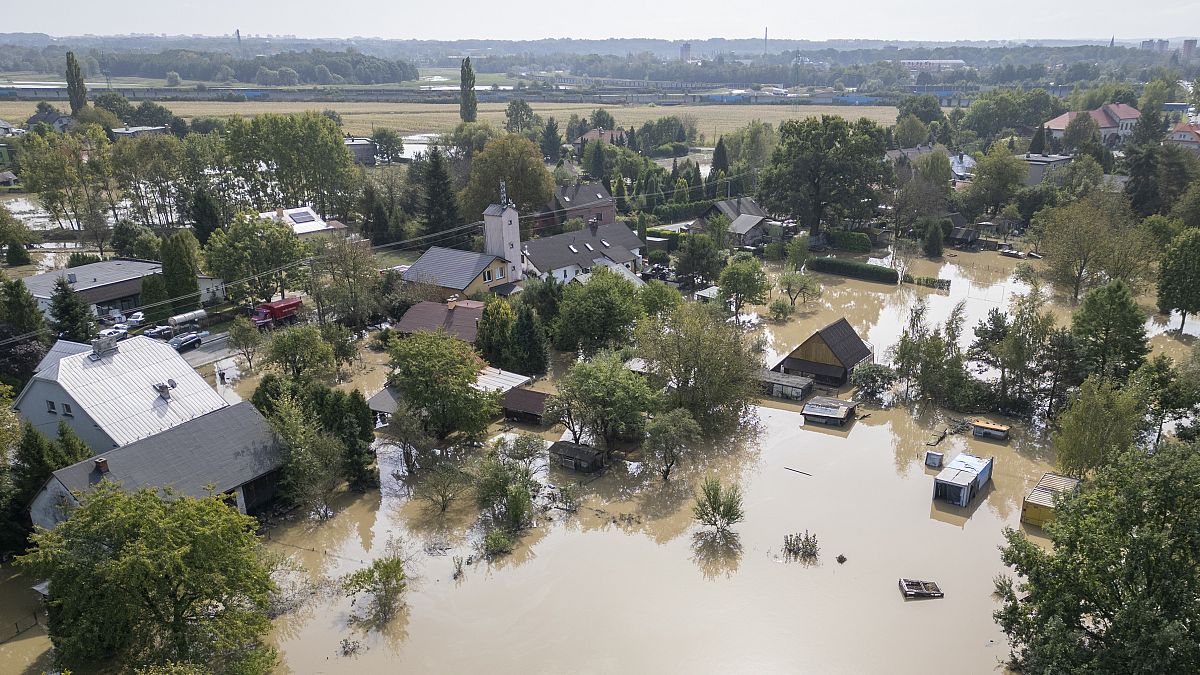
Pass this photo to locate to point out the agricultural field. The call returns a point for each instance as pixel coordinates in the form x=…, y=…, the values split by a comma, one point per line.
x=411, y=118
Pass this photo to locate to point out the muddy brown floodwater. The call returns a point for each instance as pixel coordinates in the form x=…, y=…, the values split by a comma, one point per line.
x=628, y=583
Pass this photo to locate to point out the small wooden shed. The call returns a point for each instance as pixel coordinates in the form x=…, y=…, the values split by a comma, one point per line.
x=524, y=405
x=829, y=411
x=1038, y=507
x=828, y=355
x=989, y=429
x=962, y=479
x=782, y=385
x=576, y=457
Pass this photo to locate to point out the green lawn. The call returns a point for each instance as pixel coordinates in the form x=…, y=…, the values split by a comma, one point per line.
x=390, y=258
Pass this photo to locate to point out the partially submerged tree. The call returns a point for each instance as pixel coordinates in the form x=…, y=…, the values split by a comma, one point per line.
x=604, y=398
x=384, y=582
x=743, y=282
x=718, y=506
x=436, y=373
x=1099, y=425
x=669, y=436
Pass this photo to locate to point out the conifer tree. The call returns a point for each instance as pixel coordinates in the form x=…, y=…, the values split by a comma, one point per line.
x=1037, y=145
x=70, y=317
x=720, y=160
x=530, y=353
x=494, y=339
x=441, y=204
x=20, y=309
x=153, y=299
x=180, y=270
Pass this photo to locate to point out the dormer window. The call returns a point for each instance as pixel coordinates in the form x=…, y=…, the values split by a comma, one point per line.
x=50, y=408
x=604, y=243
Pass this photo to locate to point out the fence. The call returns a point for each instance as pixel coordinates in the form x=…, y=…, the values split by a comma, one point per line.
x=13, y=629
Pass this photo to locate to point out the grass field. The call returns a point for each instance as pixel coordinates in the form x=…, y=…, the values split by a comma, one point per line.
x=407, y=118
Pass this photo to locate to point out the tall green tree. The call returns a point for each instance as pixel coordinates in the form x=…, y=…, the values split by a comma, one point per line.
x=19, y=309
x=699, y=259
x=602, y=397
x=598, y=314
x=261, y=250
x=300, y=353
x=154, y=299
x=530, y=349
x=436, y=374
x=744, y=282
x=518, y=117
x=76, y=89
x=440, y=208
x=668, y=438
x=70, y=317
x=910, y=132
x=206, y=217
x=1111, y=331
x=140, y=578
x=998, y=176
x=825, y=168
x=1100, y=424
x=181, y=269
x=720, y=158
x=1117, y=592
x=468, y=104
x=388, y=144
x=1037, y=145
x=495, y=337
x=312, y=457
x=1179, y=276
x=516, y=161
x=551, y=143
x=708, y=363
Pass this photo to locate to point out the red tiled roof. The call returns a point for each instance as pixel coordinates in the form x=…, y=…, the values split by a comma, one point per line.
x=1107, y=116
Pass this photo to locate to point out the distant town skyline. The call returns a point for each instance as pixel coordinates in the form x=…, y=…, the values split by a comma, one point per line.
x=667, y=19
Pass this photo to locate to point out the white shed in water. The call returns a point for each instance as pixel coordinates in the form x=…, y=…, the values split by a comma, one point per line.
x=962, y=479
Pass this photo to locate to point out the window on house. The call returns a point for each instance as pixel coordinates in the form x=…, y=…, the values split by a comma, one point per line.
x=50, y=408
x=67, y=410
x=487, y=276
x=499, y=272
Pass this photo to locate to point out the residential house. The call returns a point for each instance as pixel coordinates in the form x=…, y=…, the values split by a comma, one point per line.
x=910, y=154
x=1115, y=120
x=1185, y=135
x=133, y=132
x=230, y=451
x=732, y=208
x=962, y=166
x=108, y=285
x=588, y=201
x=458, y=272
x=385, y=402
x=306, y=223
x=362, y=150
x=55, y=120
x=828, y=355
x=6, y=129
x=615, y=136
x=748, y=230
x=115, y=393
x=459, y=318
x=563, y=256
x=1041, y=166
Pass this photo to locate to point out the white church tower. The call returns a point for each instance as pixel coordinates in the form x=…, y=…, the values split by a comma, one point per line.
x=502, y=234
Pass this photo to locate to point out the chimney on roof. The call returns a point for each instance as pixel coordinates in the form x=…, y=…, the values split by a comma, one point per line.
x=279, y=213
x=101, y=465
x=451, y=304
x=70, y=277
x=164, y=389
x=102, y=346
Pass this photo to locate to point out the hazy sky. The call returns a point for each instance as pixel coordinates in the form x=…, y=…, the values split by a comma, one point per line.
x=668, y=19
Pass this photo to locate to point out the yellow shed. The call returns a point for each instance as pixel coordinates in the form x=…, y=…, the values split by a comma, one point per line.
x=1038, y=507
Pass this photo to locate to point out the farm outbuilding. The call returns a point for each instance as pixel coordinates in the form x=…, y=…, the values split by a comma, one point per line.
x=829, y=411
x=782, y=385
x=982, y=428
x=828, y=355
x=1038, y=507
x=524, y=405
x=962, y=479
x=576, y=457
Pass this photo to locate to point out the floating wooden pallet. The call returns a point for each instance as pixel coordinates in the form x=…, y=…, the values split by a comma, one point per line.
x=915, y=588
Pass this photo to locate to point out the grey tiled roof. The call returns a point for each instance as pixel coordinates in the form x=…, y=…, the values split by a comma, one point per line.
x=225, y=448
x=613, y=241
x=448, y=267
x=732, y=208
x=744, y=223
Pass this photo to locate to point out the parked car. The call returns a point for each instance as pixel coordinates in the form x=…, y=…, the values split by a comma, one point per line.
x=136, y=319
x=185, y=342
x=111, y=318
x=159, y=332
x=119, y=333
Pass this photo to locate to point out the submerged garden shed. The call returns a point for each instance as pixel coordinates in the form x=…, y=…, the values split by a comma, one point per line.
x=962, y=479
x=782, y=385
x=830, y=411
x=575, y=456
x=1038, y=507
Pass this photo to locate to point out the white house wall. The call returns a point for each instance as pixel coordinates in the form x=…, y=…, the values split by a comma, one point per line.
x=52, y=505
x=32, y=404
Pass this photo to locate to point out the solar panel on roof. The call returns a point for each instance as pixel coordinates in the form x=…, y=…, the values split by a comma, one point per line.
x=302, y=217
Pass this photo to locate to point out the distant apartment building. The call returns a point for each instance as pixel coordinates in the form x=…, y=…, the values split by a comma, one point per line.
x=1159, y=46
x=1188, y=51
x=685, y=52
x=933, y=65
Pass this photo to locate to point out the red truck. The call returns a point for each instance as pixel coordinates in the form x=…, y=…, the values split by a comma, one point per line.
x=277, y=313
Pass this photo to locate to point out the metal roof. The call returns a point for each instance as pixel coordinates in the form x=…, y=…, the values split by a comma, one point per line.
x=845, y=343
x=225, y=448
x=613, y=241
x=1051, y=484
x=93, y=277
x=448, y=267
x=118, y=390
x=963, y=469
x=60, y=349
x=825, y=406
x=732, y=208
x=494, y=379
x=525, y=400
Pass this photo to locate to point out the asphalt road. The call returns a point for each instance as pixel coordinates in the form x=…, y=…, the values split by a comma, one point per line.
x=212, y=349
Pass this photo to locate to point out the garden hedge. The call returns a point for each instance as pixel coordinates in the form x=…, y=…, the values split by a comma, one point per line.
x=853, y=268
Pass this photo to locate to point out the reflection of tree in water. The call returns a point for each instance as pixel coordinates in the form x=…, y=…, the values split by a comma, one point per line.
x=716, y=553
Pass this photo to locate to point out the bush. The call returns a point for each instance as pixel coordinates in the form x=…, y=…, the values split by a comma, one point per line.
x=673, y=213
x=670, y=150
x=872, y=379
x=774, y=251
x=854, y=269
x=780, y=309
x=801, y=546
x=17, y=255
x=496, y=543
x=78, y=259
x=718, y=506
x=856, y=242
x=659, y=257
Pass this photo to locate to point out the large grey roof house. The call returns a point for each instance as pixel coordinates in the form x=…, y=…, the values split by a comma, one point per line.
x=110, y=284
x=115, y=393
